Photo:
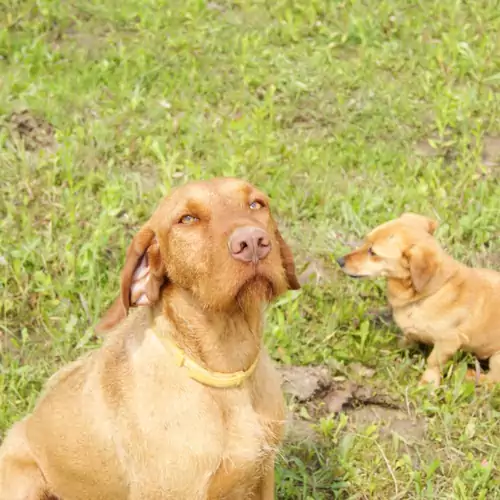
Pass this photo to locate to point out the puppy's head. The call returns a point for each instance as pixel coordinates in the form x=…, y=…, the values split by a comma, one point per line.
x=215, y=239
x=401, y=248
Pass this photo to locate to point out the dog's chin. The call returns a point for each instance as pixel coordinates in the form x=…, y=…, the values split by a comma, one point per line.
x=245, y=290
x=259, y=288
x=250, y=287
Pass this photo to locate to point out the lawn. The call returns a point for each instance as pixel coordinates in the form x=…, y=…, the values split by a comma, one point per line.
x=346, y=112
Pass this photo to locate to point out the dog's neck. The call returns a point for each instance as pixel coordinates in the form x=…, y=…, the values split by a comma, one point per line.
x=401, y=292
x=225, y=341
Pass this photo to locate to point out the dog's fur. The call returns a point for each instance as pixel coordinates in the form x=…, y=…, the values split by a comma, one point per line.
x=435, y=299
x=125, y=422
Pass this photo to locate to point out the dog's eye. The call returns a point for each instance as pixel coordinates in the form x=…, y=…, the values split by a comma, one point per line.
x=371, y=252
x=256, y=205
x=188, y=219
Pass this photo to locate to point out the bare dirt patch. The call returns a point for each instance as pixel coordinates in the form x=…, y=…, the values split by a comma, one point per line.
x=31, y=130
x=303, y=383
x=491, y=151
x=446, y=147
x=314, y=393
x=426, y=149
x=441, y=145
x=390, y=420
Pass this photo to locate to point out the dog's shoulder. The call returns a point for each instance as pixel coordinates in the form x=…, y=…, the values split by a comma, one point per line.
x=67, y=374
x=489, y=275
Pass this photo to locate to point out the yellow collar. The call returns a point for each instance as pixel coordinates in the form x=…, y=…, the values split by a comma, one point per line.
x=196, y=372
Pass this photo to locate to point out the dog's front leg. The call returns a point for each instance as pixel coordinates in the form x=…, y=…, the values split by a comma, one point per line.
x=266, y=487
x=20, y=477
x=441, y=353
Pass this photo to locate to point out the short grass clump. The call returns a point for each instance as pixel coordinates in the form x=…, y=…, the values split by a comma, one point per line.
x=346, y=113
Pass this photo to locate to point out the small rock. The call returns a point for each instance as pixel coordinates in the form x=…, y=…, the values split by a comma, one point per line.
x=362, y=370
x=336, y=399
x=303, y=382
x=363, y=393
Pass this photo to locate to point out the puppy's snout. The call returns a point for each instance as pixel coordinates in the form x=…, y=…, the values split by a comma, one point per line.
x=249, y=244
x=341, y=261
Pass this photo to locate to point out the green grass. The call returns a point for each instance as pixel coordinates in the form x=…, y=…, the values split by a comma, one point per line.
x=326, y=105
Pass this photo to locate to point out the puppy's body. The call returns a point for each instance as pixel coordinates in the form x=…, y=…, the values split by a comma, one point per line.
x=466, y=309
x=435, y=299
x=127, y=422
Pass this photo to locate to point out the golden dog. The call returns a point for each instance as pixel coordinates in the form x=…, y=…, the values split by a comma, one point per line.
x=181, y=401
x=435, y=299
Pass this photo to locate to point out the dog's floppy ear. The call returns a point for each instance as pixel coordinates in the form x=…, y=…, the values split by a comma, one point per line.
x=141, y=279
x=423, y=265
x=114, y=315
x=417, y=220
x=288, y=263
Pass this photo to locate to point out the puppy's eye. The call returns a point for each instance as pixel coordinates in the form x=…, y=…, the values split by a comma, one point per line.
x=256, y=205
x=371, y=252
x=188, y=219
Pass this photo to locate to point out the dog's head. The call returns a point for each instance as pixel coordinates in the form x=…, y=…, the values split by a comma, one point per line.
x=401, y=248
x=215, y=239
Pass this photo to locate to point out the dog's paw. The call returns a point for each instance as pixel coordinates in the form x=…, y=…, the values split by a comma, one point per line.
x=431, y=377
x=473, y=375
x=478, y=378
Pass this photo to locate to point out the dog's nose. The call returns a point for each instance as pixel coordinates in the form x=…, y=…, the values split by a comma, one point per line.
x=341, y=261
x=249, y=244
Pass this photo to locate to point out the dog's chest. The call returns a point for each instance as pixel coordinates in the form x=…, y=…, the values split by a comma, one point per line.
x=248, y=441
x=198, y=442
x=423, y=324
x=210, y=447
x=413, y=323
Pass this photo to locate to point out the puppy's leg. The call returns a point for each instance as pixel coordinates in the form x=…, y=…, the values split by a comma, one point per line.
x=20, y=476
x=494, y=365
x=440, y=354
x=493, y=375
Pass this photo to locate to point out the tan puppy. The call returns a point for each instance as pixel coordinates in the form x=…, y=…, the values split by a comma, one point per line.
x=181, y=401
x=435, y=299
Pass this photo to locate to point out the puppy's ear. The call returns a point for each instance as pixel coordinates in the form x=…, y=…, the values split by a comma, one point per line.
x=288, y=263
x=141, y=279
x=423, y=265
x=417, y=220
